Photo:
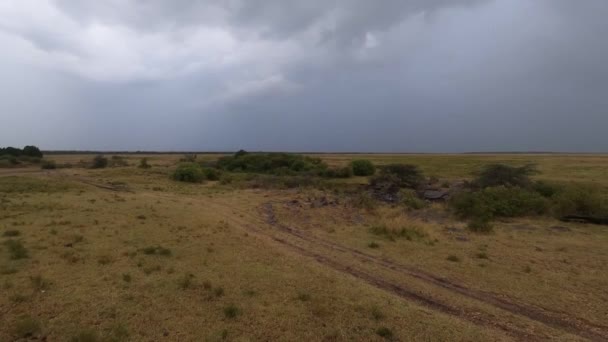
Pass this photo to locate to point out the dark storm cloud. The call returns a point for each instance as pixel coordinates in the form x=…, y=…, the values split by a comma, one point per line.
x=336, y=75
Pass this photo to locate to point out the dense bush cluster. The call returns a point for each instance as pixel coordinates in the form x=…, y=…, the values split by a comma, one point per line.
x=506, y=191
x=271, y=163
x=500, y=201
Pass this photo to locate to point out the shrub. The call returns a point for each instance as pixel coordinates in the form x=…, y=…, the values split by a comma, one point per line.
x=303, y=297
x=579, y=200
x=504, y=175
x=143, y=163
x=480, y=225
x=27, y=327
x=396, y=176
x=85, y=336
x=16, y=249
x=363, y=200
x=545, y=189
x=116, y=161
x=342, y=172
x=99, y=162
x=410, y=234
x=384, y=332
x=226, y=179
x=156, y=250
x=211, y=174
x=231, y=311
x=499, y=201
x=410, y=199
x=453, y=258
x=11, y=233
x=48, y=165
x=186, y=281
x=39, y=283
x=481, y=255
x=189, y=172
x=363, y=167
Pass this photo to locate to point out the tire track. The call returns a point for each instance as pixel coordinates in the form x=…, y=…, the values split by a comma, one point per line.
x=573, y=325
x=476, y=317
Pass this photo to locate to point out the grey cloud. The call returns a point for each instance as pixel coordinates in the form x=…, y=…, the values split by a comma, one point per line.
x=437, y=76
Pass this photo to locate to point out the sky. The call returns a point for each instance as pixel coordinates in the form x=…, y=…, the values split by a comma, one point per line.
x=317, y=75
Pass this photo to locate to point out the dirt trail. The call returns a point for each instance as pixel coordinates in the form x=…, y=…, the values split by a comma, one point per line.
x=561, y=321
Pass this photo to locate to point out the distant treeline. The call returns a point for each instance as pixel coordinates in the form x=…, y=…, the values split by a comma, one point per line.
x=27, y=151
x=55, y=152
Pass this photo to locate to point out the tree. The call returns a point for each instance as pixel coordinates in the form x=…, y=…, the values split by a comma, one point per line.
x=505, y=175
x=32, y=151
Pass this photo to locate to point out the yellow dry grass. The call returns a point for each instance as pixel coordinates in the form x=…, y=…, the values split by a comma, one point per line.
x=160, y=260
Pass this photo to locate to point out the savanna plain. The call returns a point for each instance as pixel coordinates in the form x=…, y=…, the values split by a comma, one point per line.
x=281, y=247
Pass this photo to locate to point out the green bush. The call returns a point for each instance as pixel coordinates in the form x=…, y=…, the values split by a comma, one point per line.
x=579, y=200
x=189, y=172
x=494, y=175
x=545, y=189
x=499, y=201
x=99, y=162
x=363, y=167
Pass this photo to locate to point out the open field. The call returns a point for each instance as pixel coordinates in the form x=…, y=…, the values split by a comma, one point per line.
x=127, y=254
